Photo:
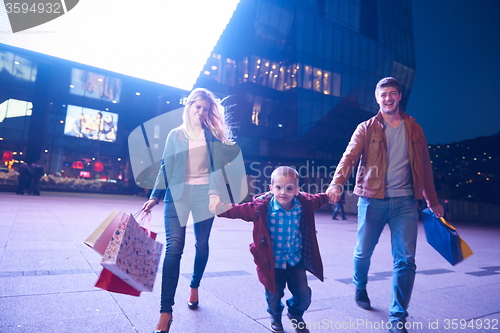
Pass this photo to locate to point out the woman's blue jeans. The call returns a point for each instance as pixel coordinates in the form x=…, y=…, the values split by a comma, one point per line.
x=195, y=200
x=401, y=214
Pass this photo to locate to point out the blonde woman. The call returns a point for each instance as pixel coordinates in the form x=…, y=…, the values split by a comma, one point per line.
x=192, y=152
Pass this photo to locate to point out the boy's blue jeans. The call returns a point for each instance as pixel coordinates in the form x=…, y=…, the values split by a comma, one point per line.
x=401, y=214
x=296, y=279
x=194, y=199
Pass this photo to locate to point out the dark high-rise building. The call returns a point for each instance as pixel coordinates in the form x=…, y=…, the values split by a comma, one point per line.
x=302, y=74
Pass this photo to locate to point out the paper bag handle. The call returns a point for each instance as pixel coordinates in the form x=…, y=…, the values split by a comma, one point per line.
x=144, y=220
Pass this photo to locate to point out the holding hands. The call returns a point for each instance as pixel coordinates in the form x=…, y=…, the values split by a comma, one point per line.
x=334, y=192
x=214, y=202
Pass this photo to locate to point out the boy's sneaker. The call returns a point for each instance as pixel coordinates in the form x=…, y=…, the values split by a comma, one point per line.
x=398, y=327
x=298, y=324
x=276, y=327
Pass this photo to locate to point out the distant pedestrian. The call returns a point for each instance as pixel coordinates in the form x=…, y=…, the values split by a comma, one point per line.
x=23, y=179
x=36, y=171
x=339, y=207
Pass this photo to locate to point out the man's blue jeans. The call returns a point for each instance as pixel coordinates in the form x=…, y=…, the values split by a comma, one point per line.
x=194, y=199
x=401, y=214
x=296, y=279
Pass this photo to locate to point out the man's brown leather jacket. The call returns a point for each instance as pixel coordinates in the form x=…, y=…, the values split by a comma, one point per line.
x=368, y=146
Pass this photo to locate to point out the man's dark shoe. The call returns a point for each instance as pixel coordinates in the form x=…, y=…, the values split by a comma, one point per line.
x=298, y=324
x=276, y=325
x=362, y=299
x=334, y=218
x=397, y=327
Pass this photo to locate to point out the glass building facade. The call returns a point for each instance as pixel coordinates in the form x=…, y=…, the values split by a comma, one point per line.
x=74, y=119
x=300, y=75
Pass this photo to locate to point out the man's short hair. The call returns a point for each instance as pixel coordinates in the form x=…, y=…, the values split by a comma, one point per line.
x=285, y=171
x=388, y=82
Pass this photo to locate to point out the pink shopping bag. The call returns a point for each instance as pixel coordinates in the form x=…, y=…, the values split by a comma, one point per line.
x=132, y=255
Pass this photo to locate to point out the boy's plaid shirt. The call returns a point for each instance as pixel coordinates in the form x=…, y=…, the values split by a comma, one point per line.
x=284, y=229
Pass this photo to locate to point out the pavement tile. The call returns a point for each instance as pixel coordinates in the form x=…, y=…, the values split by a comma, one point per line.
x=46, y=282
x=33, y=309
x=34, y=260
x=107, y=323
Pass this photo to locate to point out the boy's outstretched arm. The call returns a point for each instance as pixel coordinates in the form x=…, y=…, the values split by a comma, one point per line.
x=319, y=200
x=245, y=211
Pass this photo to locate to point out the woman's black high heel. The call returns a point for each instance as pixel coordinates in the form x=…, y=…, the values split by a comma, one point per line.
x=168, y=327
x=193, y=305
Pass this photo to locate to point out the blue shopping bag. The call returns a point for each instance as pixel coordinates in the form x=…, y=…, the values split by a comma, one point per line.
x=444, y=238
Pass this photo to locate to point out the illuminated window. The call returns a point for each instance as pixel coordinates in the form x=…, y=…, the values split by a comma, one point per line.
x=281, y=78
x=214, y=66
x=295, y=75
x=274, y=74
x=263, y=72
x=318, y=78
x=254, y=68
x=257, y=107
x=244, y=69
x=230, y=72
x=327, y=82
x=307, y=77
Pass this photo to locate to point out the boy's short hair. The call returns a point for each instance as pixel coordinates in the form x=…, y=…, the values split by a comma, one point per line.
x=388, y=82
x=285, y=171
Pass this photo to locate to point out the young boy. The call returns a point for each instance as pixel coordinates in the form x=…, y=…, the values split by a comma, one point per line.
x=285, y=243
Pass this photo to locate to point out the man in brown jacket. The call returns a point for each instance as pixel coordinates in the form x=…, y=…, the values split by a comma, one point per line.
x=394, y=171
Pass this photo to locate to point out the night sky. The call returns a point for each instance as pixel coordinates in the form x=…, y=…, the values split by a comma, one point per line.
x=456, y=92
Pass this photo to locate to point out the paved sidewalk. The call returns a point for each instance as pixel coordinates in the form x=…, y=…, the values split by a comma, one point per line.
x=47, y=276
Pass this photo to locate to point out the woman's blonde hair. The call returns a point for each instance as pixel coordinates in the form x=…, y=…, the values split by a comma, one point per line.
x=216, y=118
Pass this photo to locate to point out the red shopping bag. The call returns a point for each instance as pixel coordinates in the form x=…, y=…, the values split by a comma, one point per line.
x=110, y=282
